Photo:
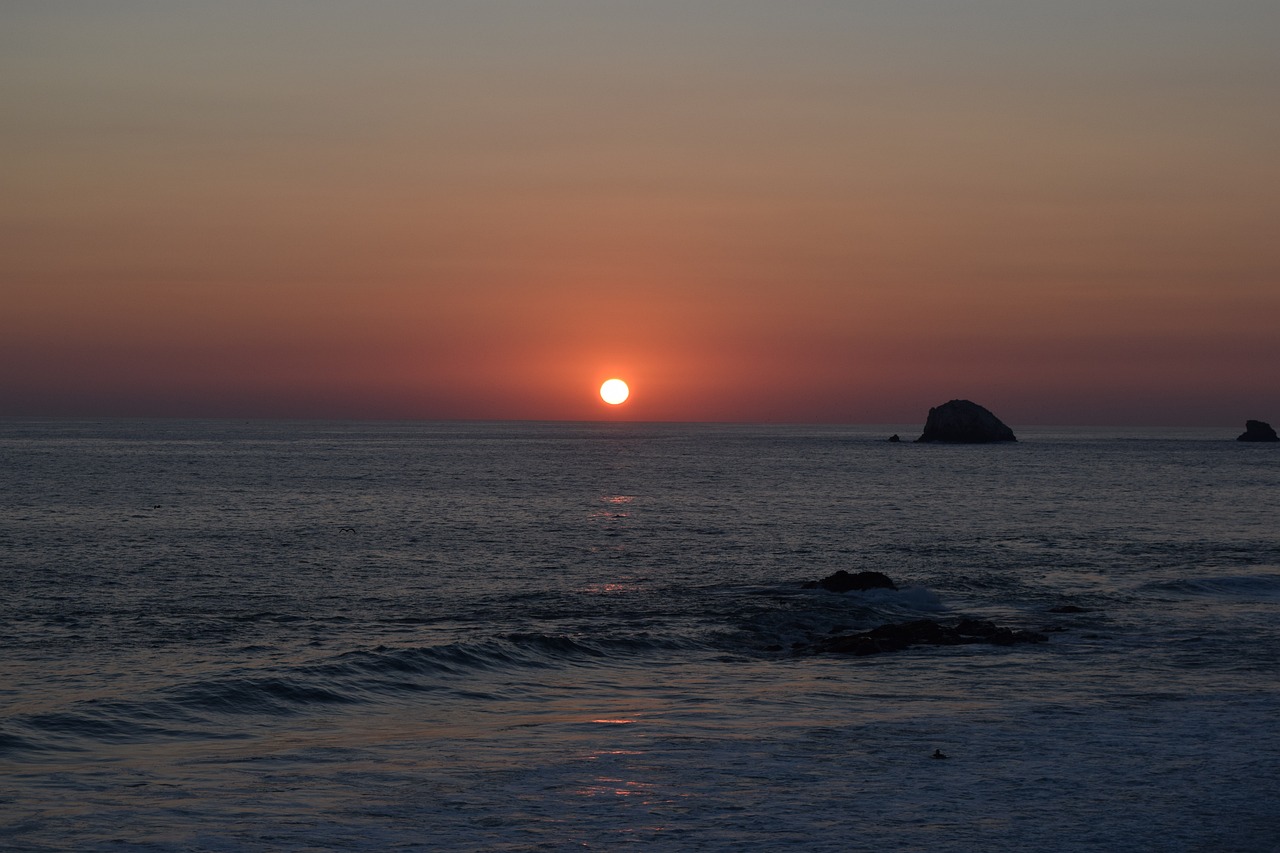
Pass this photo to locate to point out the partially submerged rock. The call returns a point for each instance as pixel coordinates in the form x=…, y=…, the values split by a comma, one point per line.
x=964, y=422
x=1258, y=431
x=896, y=636
x=842, y=581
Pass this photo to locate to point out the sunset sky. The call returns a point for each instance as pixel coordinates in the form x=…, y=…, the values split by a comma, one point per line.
x=800, y=211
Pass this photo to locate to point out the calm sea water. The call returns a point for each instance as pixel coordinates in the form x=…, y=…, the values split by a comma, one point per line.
x=312, y=636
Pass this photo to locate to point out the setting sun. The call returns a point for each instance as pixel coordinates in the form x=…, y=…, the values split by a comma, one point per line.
x=614, y=391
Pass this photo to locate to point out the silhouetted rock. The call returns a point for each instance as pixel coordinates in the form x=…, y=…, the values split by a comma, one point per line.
x=894, y=437
x=896, y=636
x=963, y=422
x=1258, y=431
x=842, y=581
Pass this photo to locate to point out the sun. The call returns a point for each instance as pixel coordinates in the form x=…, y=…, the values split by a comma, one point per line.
x=614, y=391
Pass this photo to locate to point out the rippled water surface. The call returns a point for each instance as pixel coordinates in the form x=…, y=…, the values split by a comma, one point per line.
x=300, y=636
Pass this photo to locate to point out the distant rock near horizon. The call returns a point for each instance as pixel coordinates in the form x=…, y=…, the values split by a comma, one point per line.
x=1258, y=431
x=964, y=422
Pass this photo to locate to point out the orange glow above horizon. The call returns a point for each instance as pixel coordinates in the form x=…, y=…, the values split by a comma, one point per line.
x=805, y=212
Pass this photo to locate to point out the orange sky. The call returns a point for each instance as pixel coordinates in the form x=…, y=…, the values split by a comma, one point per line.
x=751, y=211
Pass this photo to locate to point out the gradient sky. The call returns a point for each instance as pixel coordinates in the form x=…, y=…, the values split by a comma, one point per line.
x=800, y=211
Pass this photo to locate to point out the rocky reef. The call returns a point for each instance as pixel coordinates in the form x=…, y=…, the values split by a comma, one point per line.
x=896, y=636
x=842, y=581
x=964, y=422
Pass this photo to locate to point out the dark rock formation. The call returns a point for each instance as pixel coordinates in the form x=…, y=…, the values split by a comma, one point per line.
x=1258, y=431
x=894, y=438
x=842, y=581
x=896, y=636
x=961, y=421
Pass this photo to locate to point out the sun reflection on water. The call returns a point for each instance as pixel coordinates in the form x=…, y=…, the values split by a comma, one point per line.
x=609, y=588
x=605, y=785
x=615, y=506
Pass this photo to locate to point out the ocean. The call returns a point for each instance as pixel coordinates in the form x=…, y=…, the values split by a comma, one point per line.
x=287, y=636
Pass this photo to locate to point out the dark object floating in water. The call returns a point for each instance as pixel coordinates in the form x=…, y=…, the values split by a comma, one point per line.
x=963, y=422
x=1258, y=431
x=896, y=636
x=842, y=581
x=894, y=438
x=1068, y=608
x=937, y=753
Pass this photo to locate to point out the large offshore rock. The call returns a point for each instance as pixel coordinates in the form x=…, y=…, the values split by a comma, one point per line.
x=963, y=422
x=1258, y=431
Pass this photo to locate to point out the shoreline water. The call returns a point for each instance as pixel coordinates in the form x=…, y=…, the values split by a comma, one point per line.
x=360, y=636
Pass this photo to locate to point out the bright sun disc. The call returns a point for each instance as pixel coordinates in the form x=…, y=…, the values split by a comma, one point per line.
x=614, y=391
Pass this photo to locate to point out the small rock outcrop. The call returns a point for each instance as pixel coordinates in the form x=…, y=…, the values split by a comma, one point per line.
x=896, y=636
x=1258, y=431
x=963, y=422
x=894, y=438
x=842, y=581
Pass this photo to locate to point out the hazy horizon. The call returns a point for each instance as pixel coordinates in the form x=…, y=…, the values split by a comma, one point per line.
x=906, y=429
